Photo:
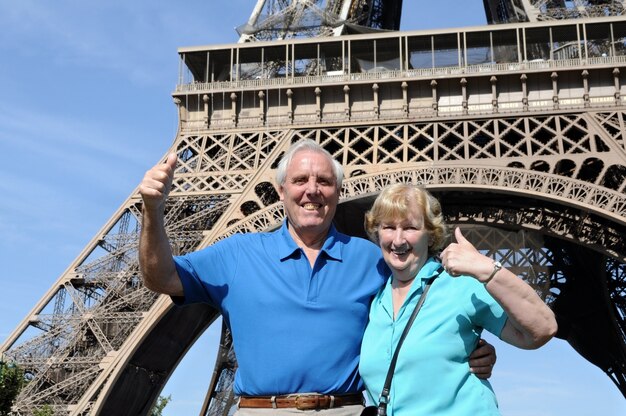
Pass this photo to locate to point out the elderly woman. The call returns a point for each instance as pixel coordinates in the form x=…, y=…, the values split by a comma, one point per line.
x=432, y=375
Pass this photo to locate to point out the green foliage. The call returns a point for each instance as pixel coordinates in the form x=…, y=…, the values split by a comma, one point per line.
x=11, y=382
x=44, y=411
x=157, y=410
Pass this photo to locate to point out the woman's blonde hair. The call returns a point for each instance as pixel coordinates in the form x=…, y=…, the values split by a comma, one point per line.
x=396, y=201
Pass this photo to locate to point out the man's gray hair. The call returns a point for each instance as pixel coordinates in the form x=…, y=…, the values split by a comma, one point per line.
x=311, y=146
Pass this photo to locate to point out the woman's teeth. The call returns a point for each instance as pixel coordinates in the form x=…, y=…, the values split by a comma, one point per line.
x=400, y=251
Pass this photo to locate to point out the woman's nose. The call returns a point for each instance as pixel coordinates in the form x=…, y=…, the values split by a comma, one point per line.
x=398, y=236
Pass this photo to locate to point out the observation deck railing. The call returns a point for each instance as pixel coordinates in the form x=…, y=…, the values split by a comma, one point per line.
x=420, y=73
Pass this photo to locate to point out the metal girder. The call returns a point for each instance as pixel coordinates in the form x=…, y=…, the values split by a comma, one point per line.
x=283, y=19
x=505, y=11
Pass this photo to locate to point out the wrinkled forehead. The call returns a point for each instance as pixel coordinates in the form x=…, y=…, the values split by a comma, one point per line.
x=311, y=163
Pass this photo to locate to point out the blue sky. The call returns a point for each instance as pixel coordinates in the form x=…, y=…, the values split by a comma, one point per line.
x=86, y=108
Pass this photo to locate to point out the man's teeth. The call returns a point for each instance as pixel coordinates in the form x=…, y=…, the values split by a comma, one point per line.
x=311, y=206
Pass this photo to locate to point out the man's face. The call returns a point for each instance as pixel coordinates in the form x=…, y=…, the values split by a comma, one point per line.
x=309, y=194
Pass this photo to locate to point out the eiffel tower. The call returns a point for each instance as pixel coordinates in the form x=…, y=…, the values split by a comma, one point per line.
x=517, y=127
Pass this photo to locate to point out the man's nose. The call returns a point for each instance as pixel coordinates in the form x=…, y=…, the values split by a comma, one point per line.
x=312, y=187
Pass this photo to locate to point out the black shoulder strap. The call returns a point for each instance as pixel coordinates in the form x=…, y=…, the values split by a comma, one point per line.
x=384, y=394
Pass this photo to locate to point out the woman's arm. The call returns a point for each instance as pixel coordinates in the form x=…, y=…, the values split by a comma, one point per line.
x=531, y=322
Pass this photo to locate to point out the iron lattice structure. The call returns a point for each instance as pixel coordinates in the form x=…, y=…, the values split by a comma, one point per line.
x=517, y=128
x=507, y=11
x=285, y=19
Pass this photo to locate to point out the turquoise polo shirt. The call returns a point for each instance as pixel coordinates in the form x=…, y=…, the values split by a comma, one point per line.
x=295, y=328
x=432, y=375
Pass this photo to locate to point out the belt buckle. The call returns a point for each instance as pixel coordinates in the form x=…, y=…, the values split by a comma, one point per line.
x=308, y=402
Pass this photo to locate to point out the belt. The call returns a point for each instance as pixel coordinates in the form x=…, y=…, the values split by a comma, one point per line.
x=301, y=401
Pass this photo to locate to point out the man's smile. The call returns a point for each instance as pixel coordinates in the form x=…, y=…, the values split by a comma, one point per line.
x=311, y=206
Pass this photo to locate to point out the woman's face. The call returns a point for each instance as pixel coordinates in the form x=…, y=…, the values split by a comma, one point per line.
x=404, y=243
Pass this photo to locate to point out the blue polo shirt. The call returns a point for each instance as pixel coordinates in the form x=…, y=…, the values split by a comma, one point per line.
x=432, y=375
x=295, y=328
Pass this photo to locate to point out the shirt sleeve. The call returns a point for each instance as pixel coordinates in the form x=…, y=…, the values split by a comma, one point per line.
x=206, y=273
x=483, y=308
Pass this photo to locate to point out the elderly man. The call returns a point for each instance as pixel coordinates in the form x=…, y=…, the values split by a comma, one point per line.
x=296, y=299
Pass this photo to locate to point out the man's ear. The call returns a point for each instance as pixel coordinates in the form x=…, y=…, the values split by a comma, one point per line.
x=281, y=194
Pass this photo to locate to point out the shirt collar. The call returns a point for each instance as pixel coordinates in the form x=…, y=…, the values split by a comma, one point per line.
x=287, y=246
x=428, y=270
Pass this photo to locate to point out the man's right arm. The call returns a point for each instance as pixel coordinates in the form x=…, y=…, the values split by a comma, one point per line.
x=155, y=255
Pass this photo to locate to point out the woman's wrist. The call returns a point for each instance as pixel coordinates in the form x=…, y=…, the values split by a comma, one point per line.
x=497, y=266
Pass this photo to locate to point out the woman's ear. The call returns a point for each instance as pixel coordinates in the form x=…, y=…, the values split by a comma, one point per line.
x=376, y=235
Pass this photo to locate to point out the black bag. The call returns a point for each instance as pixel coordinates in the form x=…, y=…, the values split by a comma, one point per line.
x=381, y=409
x=370, y=411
